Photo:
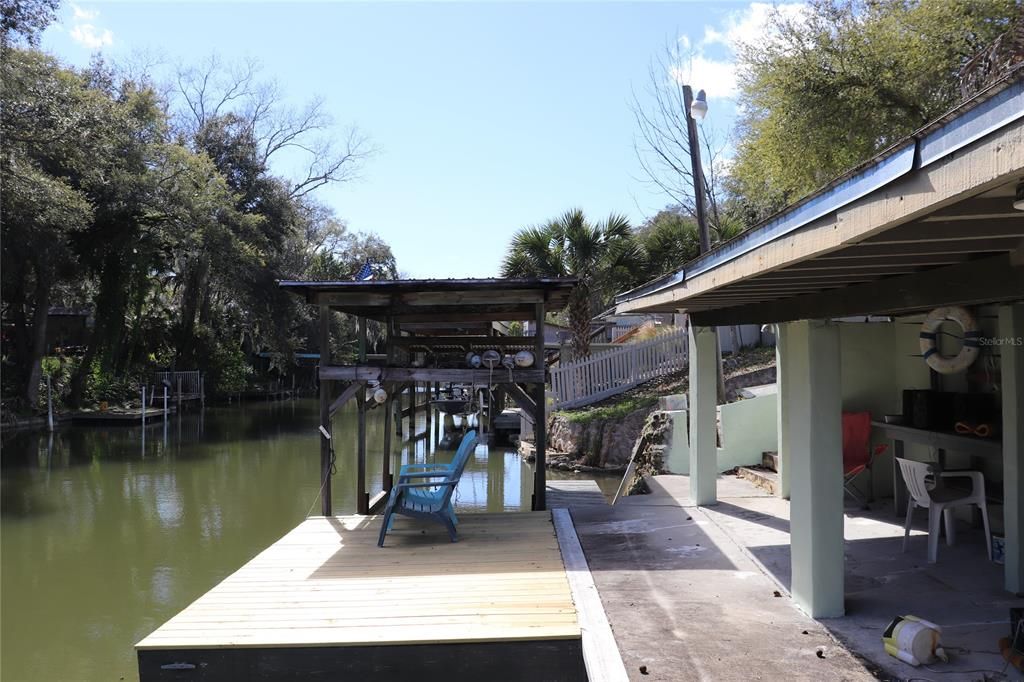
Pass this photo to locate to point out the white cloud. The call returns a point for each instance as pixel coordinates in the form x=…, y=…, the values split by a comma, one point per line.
x=82, y=14
x=717, y=75
x=91, y=37
x=86, y=33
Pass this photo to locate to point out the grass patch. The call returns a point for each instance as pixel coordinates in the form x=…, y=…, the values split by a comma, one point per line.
x=617, y=411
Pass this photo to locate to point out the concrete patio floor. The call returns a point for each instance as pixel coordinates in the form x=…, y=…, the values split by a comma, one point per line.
x=962, y=591
x=687, y=603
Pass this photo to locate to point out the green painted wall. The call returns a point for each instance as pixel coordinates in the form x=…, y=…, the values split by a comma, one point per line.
x=747, y=429
x=880, y=360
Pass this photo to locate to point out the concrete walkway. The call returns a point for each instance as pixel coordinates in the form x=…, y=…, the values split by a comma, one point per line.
x=687, y=603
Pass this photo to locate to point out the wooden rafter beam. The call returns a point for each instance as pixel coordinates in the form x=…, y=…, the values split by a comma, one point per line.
x=951, y=230
x=346, y=395
x=911, y=250
x=525, y=402
x=987, y=280
x=978, y=208
x=426, y=299
x=499, y=375
x=464, y=341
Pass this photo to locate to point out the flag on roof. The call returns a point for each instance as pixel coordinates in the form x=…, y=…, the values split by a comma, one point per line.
x=365, y=272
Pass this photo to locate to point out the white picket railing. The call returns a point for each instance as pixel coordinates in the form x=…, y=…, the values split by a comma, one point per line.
x=574, y=384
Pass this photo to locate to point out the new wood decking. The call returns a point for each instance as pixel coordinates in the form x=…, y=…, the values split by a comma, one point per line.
x=570, y=493
x=325, y=600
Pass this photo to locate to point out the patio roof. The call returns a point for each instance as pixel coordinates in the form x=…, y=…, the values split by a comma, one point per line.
x=439, y=304
x=928, y=222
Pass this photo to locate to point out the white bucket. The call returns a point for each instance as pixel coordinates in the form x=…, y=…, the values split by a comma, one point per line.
x=914, y=640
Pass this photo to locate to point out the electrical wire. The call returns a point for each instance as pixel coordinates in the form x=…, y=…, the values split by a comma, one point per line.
x=332, y=471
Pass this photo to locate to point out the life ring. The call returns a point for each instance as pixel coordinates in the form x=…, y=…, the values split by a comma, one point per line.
x=929, y=340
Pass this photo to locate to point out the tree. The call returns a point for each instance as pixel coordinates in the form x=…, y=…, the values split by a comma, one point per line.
x=174, y=236
x=226, y=113
x=662, y=145
x=54, y=130
x=25, y=20
x=825, y=89
x=669, y=240
x=604, y=256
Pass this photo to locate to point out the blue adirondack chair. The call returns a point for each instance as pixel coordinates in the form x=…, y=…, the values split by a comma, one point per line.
x=425, y=490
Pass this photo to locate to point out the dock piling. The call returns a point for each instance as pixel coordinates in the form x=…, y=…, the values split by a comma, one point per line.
x=49, y=404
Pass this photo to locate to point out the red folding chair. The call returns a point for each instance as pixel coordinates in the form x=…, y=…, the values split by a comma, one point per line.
x=858, y=454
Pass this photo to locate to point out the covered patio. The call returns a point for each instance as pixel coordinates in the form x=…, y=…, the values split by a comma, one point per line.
x=846, y=277
x=962, y=594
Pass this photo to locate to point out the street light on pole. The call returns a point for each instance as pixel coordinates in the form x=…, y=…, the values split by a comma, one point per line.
x=696, y=110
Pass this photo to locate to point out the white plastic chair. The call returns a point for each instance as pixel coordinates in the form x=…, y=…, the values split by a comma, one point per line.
x=939, y=501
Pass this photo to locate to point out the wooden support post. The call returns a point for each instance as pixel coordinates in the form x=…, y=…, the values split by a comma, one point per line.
x=412, y=410
x=540, y=420
x=179, y=395
x=143, y=408
x=426, y=407
x=398, y=409
x=49, y=404
x=386, y=479
x=389, y=349
x=438, y=426
x=325, y=413
x=362, y=497
x=1011, y=361
x=482, y=425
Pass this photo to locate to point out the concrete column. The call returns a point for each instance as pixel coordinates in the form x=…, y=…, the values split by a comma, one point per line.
x=703, y=422
x=816, y=467
x=1011, y=360
x=784, y=391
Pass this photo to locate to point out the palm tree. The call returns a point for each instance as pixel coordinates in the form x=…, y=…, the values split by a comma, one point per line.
x=604, y=256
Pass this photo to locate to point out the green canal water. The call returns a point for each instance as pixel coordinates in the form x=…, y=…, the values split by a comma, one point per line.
x=107, y=532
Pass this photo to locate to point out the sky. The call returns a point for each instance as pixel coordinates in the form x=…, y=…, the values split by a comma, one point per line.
x=485, y=117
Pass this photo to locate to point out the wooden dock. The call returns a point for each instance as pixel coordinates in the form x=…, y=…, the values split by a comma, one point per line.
x=119, y=415
x=325, y=602
x=569, y=493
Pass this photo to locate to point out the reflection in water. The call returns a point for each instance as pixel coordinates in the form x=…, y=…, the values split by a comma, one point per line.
x=104, y=537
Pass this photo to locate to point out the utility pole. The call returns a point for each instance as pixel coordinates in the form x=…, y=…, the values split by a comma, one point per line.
x=698, y=172
x=698, y=200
